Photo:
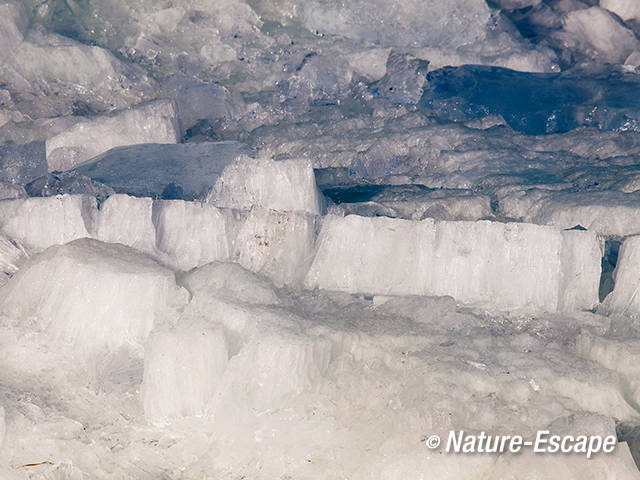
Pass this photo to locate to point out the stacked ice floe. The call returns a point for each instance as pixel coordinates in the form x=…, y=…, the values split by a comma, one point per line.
x=278, y=239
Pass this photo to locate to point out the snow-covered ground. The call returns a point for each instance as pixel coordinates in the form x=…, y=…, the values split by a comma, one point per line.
x=278, y=239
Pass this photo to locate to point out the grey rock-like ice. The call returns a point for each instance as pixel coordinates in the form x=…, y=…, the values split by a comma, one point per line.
x=181, y=171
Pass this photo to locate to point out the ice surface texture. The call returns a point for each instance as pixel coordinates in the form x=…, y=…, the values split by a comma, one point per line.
x=291, y=239
x=519, y=266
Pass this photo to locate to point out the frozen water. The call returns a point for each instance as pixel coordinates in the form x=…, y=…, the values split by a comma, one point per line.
x=22, y=163
x=193, y=234
x=38, y=223
x=287, y=185
x=534, y=103
x=279, y=245
x=277, y=239
x=56, y=292
x=126, y=220
x=151, y=123
x=183, y=171
x=398, y=257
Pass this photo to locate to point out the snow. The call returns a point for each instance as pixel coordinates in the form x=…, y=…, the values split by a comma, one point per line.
x=151, y=123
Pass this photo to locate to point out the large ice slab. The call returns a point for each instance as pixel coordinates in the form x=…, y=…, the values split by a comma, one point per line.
x=412, y=202
x=181, y=171
x=534, y=103
x=126, y=220
x=279, y=185
x=607, y=212
x=154, y=122
x=193, y=233
x=502, y=265
x=91, y=294
x=53, y=75
x=599, y=34
x=279, y=245
x=434, y=24
x=38, y=223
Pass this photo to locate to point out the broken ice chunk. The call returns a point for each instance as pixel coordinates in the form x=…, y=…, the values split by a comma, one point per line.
x=22, y=163
x=152, y=170
x=11, y=190
x=38, y=223
x=606, y=212
x=12, y=256
x=67, y=182
x=197, y=101
x=625, y=298
x=193, y=234
x=506, y=266
x=126, y=220
x=279, y=245
x=54, y=75
x=154, y=122
x=280, y=185
x=230, y=280
x=91, y=294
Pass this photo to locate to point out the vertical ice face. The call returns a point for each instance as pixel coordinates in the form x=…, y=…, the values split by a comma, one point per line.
x=287, y=185
x=194, y=234
x=38, y=223
x=183, y=370
x=509, y=266
x=625, y=298
x=277, y=244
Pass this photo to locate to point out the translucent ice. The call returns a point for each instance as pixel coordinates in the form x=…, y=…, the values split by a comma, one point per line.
x=91, y=294
x=399, y=257
x=151, y=123
x=279, y=245
x=192, y=234
x=278, y=185
x=183, y=171
x=38, y=223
